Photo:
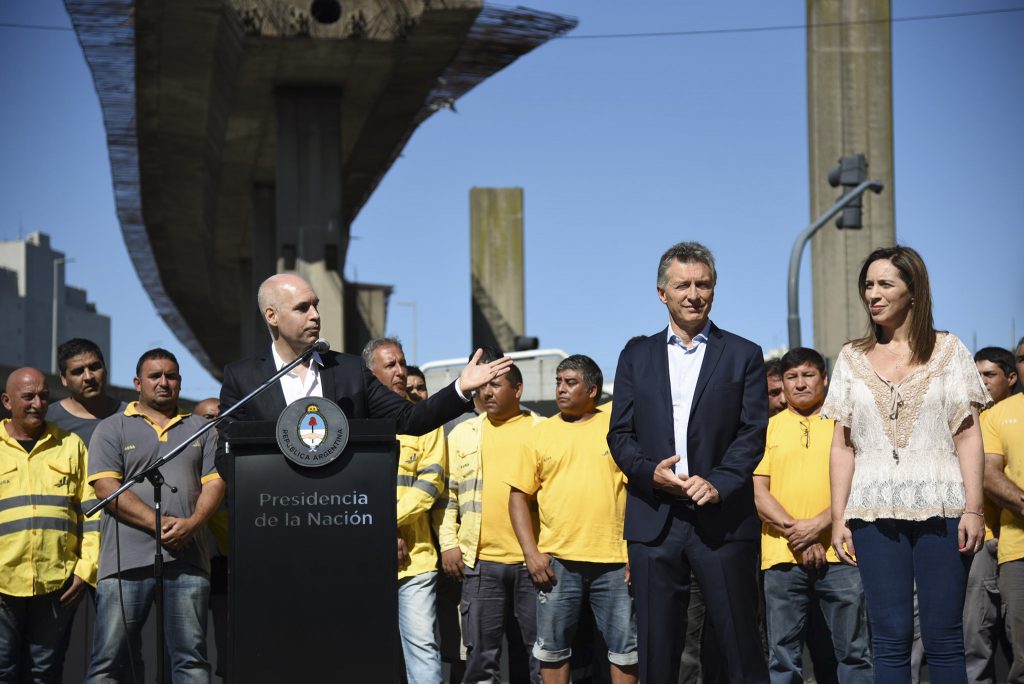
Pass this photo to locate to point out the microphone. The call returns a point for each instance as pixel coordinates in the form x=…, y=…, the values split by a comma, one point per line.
x=321, y=346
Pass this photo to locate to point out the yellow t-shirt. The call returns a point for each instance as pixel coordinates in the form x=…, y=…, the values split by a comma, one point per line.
x=990, y=508
x=499, y=451
x=796, y=463
x=581, y=493
x=1002, y=431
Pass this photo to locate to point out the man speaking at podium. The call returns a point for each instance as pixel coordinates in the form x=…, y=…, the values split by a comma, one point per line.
x=289, y=307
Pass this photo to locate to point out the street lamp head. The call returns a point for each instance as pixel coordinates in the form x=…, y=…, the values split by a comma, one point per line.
x=525, y=343
x=325, y=11
x=851, y=171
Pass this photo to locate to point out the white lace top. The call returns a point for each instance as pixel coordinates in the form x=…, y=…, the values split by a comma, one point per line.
x=905, y=464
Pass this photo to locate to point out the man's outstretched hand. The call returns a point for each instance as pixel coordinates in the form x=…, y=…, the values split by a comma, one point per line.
x=476, y=375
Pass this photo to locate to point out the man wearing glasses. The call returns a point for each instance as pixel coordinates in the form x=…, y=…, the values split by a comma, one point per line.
x=791, y=492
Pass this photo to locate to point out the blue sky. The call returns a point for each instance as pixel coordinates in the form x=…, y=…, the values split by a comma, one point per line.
x=623, y=147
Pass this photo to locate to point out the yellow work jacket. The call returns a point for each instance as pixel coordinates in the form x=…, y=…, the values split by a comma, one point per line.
x=44, y=538
x=422, y=462
x=460, y=526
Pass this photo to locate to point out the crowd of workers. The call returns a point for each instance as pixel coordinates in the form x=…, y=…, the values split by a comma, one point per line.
x=703, y=540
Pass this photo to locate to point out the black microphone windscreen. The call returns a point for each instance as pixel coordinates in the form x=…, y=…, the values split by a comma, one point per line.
x=321, y=346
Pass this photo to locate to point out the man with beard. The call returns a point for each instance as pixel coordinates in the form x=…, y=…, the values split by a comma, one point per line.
x=122, y=446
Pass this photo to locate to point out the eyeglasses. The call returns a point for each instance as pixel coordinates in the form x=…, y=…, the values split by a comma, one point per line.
x=805, y=438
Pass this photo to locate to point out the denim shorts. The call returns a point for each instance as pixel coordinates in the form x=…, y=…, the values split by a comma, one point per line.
x=558, y=611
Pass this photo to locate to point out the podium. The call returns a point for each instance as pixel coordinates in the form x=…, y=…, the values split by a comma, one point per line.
x=313, y=594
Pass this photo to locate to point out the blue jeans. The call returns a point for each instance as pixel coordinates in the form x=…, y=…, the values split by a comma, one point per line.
x=186, y=601
x=558, y=611
x=34, y=632
x=790, y=591
x=417, y=613
x=892, y=555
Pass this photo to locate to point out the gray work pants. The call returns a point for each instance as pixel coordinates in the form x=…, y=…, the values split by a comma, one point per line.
x=981, y=616
x=1011, y=590
x=489, y=591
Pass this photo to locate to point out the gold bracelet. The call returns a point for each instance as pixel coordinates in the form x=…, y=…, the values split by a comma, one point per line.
x=980, y=515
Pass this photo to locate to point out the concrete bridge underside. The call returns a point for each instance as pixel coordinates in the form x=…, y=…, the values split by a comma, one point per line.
x=245, y=137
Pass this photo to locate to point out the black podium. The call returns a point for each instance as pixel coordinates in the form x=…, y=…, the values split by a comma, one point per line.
x=312, y=565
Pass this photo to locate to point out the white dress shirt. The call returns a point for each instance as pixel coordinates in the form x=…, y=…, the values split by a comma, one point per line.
x=296, y=387
x=683, y=368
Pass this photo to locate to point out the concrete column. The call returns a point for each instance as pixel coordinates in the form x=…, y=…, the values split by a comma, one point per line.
x=849, y=103
x=366, y=309
x=309, y=234
x=261, y=264
x=496, y=265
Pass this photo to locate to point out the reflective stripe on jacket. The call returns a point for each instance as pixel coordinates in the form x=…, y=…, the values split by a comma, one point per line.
x=462, y=516
x=421, y=474
x=44, y=537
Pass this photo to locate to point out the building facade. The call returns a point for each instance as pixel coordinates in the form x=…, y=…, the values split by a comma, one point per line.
x=34, y=297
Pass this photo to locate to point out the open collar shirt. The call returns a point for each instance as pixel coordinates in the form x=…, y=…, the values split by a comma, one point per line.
x=683, y=369
x=293, y=385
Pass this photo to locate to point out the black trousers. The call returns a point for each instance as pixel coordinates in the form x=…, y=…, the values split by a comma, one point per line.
x=727, y=576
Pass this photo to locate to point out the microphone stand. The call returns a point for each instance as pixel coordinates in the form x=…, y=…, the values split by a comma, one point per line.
x=152, y=473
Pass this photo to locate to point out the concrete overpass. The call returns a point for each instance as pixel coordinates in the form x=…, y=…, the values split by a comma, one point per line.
x=245, y=136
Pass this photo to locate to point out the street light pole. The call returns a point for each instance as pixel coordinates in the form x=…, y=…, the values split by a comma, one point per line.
x=415, y=336
x=798, y=249
x=56, y=310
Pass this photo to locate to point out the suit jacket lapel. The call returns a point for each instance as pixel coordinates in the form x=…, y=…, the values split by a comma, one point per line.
x=659, y=366
x=712, y=354
x=275, y=395
x=327, y=378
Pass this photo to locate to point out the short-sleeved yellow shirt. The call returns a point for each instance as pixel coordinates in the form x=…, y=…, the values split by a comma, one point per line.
x=991, y=510
x=581, y=493
x=1002, y=431
x=499, y=452
x=796, y=462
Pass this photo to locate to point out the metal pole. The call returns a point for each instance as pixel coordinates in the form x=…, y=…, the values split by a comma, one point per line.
x=798, y=250
x=157, y=479
x=209, y=425
x=55, y=318
x=415, y=336
x=152, y=473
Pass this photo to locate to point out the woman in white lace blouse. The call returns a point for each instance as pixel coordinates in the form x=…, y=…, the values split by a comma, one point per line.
x=906, y=468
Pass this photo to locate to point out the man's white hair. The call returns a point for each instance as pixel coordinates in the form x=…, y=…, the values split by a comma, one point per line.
x=369, y=358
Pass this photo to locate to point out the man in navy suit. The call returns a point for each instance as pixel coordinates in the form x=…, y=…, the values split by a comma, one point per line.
x=688, y=428
x=289, y=307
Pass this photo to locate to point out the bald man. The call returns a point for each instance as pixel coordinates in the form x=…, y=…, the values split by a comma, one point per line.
x=290, y=309
x=48, y=551
x=208, y=408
